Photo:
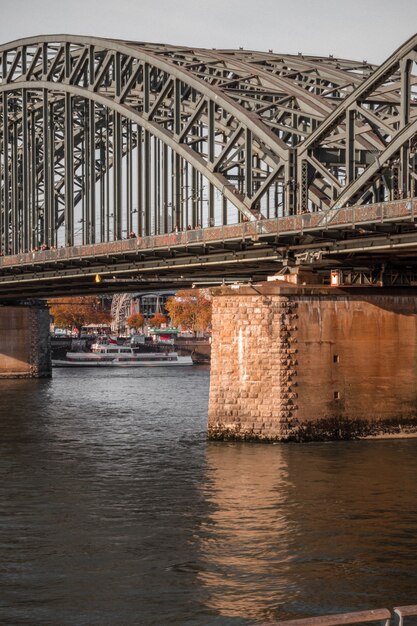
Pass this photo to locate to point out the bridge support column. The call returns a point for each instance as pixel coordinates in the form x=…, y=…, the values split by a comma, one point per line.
x=292, y=363
x=24, y=342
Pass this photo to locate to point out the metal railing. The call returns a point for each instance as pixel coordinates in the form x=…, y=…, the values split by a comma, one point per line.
x=400, y=612
x=381, y=616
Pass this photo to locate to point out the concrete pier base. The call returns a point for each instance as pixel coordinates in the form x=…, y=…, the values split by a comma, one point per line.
x=24, y=342
x=293, y=363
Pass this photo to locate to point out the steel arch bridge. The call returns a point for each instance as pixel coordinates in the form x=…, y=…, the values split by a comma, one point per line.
x=103, y=138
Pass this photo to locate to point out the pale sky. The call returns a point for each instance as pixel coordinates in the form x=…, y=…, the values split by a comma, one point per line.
x=358, y=29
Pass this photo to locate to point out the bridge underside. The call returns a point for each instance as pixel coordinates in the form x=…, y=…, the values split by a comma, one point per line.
x=371, y=245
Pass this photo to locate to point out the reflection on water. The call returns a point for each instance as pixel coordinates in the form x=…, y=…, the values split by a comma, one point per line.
x=244, y=540
x=115, y=510
x=300, y=530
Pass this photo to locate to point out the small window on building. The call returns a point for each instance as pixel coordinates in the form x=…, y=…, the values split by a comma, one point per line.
x=335, y=358
x=336, y=395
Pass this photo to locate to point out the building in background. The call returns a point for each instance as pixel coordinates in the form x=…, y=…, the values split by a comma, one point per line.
x=150, y=302
x=125, y=304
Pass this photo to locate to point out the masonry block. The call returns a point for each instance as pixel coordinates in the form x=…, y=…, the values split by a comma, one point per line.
x=24, y=342
x=347, y=369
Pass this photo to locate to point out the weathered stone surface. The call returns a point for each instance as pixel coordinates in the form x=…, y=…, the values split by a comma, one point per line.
x=347, y=369
x=24, y=342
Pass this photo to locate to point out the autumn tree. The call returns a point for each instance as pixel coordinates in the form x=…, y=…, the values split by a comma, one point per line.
x=190, y=309
x=78, y=311
x=135, y=321
x=157, y=320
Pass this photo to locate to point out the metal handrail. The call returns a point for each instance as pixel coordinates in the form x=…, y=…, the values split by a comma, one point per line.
x=343, y=619
x=404, y=611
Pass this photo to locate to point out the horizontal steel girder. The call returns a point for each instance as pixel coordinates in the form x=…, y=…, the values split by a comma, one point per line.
x=372, y=235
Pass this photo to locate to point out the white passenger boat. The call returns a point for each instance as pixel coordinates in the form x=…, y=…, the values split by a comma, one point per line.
x=112, y=355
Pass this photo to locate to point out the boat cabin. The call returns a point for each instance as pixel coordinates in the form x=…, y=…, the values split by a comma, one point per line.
x=111, y=349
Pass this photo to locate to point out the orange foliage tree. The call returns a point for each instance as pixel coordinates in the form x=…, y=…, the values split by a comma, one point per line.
x=135, y=321
x=78, y=311
x=190, y=309
x=157, y=320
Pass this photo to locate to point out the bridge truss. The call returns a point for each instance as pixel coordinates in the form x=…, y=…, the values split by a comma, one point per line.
x=103, y=138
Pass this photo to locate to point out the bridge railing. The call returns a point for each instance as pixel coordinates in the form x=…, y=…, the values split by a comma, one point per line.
x=381, y=616
x=401, y=210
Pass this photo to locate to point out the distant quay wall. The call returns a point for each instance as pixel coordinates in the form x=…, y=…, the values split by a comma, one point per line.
x=24, y=342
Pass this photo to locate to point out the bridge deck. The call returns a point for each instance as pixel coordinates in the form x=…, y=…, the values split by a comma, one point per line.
x=246, y=250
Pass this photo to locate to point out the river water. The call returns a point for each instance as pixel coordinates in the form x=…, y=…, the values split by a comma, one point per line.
x=115, y=510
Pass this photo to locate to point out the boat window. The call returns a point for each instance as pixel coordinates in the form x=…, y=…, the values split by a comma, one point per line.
x=125, y=350
x=112, y=351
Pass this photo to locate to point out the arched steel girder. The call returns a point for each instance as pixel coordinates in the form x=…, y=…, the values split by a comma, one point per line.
x=383, y=73
x=308, y=105
x=297, y=69
x=341, y=71
x=114, y=46
x=234, y=118
x=301, y=104
x=120, y=311
x=219, y=181
x=193, y=158
x=330, y=78
x=59, y=182
x=252, y=77
x=240, y=72
x=248, y=133
x=391, y=170
x=317, y=106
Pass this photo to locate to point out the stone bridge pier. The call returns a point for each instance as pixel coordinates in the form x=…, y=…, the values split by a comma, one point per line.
x=24, y=341
x=305, y=363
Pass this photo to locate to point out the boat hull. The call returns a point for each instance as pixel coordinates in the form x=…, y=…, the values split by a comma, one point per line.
x=182, y=362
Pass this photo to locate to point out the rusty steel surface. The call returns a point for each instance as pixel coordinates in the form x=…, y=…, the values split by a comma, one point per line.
x=252, y=231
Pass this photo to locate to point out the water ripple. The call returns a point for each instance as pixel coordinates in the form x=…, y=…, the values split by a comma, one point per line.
x=115, y=510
